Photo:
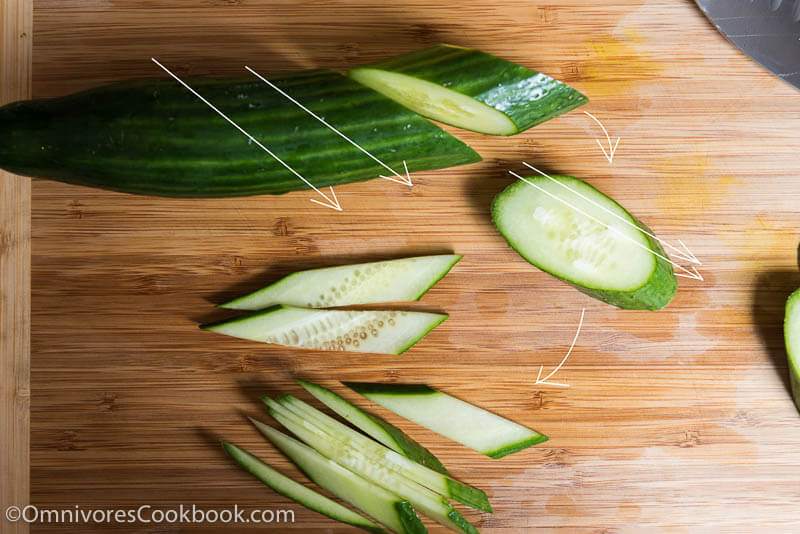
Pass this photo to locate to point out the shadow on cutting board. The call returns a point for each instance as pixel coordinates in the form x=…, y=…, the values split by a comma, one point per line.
x=772, y=288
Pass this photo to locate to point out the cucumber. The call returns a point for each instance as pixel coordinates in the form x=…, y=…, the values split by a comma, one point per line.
x=378, y=503
x=470, y=89
x=791, y=331
x=299, y=493
x=381, y=430
x=460, y=421
x=154, y=137
x=442, y=484
x=423, y=499
x=382, y=332
x=582, y=237
x=401, y=280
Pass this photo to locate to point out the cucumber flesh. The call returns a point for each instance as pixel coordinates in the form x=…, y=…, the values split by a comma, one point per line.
x=401, y=280
x=375, y=501
x=453, y=418
x=442, y=484
x=791, y=329
x=383, y=332
x=470, y=89
x=297, y=492
x=423, y=499
x=578, y=234
x=378, y=428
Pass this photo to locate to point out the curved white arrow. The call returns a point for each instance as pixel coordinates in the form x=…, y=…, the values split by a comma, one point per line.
x=540, y=380
x=331, y=203
x=611, y=148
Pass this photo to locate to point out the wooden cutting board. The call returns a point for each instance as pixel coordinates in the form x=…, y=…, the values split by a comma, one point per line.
x=676, y=421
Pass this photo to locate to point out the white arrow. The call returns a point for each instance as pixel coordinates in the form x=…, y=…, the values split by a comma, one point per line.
x=689, y=274
x=330, y=203
x=540, y=380
x=685, y=254
x=611, y=148
x=400, y=179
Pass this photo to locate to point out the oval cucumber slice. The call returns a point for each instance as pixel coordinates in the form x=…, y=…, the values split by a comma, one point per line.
x=297, y=492
x=453, y=418
x=791, y=331
x=571, y=230
x=470, y=89
x=401, y=280
x=383, y=332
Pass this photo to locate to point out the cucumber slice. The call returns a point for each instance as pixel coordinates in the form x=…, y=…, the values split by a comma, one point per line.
x=423, y=499
x=384, y=506
x=381, y=430
x=400, y=280
x=470, y=89
x=297, y=492
x=581, y=236
x=383, y=332
x=791, y=331
x=460, y=421
x=442, y=484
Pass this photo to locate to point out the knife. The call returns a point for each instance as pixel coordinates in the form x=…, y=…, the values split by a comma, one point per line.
x=766, y=30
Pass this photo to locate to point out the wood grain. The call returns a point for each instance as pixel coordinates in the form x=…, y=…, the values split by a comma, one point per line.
x=677, y=421
x=16, y=17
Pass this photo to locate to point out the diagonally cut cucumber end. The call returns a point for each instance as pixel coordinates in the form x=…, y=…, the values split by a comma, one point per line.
x=442, y=318
x=472, y=497
x=516, y=447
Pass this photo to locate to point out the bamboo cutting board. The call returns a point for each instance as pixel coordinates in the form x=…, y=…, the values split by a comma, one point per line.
x=676, y=421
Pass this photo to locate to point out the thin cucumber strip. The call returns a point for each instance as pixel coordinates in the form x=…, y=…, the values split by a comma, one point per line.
x=401, y=280
x=791, y=330
x=572, y=231
x=453, y=418
x=423, y=499
x=442, y=484
x=297, y=492
x=470, y=89
x=378, y=428
x=383, y=332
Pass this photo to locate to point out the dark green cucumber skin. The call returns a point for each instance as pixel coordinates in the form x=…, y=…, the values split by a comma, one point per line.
x=237, y=453
x=505, y=86
x=516, y=447
x=656, y=292
x=154, y=137
x=411, y=449
x=366, y=388
x=792, y=357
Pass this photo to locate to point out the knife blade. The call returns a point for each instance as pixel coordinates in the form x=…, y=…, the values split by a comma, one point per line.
x=766, y=30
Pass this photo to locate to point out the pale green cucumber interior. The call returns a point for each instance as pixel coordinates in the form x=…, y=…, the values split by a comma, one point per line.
x=399, y=280
x=373, y=500
x=346, y=454
x=436, y=102
x=573, y=238
x=460, y=421
x=387, y=332
x=791, y=330
x=296, y=491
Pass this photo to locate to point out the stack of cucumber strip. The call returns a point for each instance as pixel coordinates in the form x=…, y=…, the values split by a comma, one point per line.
x=156, y=138
x=389, y=478
x=278, y=315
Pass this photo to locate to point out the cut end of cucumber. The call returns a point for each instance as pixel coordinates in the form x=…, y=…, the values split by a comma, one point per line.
x=516, y=447
x=791, y=331
x=436, y=102
x=571, y=230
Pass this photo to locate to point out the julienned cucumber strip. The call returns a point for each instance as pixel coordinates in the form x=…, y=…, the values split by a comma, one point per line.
x=401, y=280
x=569, y=229
x=791, y=331
x=442, y=484
x=297, y=492
x=426, y=501
x=378, y=428
x=470, y=89
x=165, y=141
x=384, y=332
x=460, y=421
x=377, y=502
